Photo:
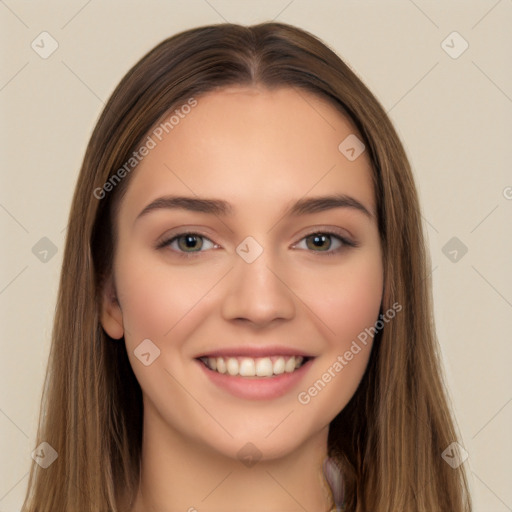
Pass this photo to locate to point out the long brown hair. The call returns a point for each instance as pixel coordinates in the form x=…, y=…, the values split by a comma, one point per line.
x=389, y=439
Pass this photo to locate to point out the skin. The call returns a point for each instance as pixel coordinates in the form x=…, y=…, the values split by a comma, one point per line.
x=259, y=150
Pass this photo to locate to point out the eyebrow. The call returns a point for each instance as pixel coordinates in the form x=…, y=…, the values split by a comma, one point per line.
x=220, y=207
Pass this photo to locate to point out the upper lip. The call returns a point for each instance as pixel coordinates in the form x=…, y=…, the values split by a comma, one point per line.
x=255, y=351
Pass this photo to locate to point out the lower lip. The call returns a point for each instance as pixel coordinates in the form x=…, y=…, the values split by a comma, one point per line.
x=254, y=388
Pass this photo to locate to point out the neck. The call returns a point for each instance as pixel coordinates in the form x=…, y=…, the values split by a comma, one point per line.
x=178, y=474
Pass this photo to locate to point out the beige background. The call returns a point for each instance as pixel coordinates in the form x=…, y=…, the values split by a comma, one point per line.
x=453, y=115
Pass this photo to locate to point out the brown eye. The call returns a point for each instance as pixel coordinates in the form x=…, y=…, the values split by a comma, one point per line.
x=189, y=241
x=319, y=241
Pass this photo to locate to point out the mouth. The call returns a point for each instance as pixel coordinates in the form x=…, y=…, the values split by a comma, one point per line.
x=258, y=367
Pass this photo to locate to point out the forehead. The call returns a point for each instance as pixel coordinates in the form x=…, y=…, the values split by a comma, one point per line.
x=251, y=146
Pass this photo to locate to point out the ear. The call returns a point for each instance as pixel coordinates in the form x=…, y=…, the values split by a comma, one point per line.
x=111, y=316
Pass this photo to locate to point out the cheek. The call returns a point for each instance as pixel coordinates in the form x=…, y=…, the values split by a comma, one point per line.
x=346, y=298
x=348, y=305
x=356, y=304
x=155, y=297
x=343, y=299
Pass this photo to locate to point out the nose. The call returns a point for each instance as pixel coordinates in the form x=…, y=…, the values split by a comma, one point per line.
x=257, y=292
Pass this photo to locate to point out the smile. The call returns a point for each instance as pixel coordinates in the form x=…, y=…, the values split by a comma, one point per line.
x=269, y=366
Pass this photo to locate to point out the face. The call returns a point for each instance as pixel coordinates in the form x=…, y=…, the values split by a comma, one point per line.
x=277, y=293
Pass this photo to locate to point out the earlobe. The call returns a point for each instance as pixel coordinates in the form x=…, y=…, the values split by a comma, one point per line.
x=111, y=316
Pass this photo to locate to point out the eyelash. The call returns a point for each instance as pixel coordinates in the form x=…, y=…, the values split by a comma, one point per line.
x=345, y=241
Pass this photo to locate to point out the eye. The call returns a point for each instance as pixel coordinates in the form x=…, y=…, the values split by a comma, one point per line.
x=186, y=243
x=321, y=242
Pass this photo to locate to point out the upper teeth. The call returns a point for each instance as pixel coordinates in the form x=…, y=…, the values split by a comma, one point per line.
x=250, y=367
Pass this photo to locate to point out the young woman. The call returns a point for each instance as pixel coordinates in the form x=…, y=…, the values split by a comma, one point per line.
x=244, y=318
